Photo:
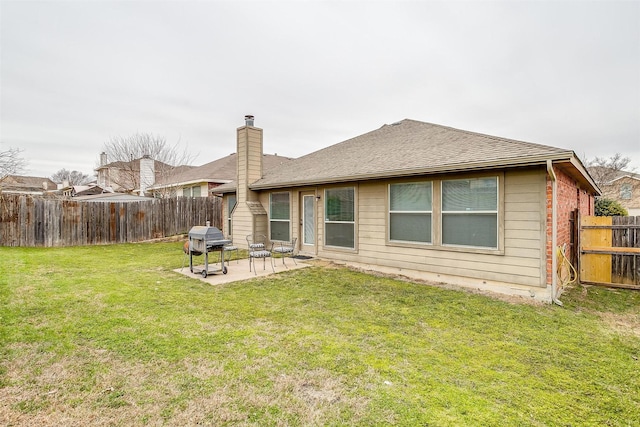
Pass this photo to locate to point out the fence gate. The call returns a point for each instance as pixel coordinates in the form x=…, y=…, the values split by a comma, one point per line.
x=610, y=251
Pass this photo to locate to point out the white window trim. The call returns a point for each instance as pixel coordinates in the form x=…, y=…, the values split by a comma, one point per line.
x=230, y=209
x=271, y=219
x=389, y=212
x=355, y=212
x=626, y=191
x=496, y=212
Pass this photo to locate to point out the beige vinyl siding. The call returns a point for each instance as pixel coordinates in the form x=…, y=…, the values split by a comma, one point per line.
x=525, y=218
x=254, y=155
x=249, y=160
x=242, y=224
x=242, y=167
x=520, y=261
x=261, y=225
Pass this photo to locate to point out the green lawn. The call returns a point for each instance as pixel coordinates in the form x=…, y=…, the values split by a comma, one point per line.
x=109, y=335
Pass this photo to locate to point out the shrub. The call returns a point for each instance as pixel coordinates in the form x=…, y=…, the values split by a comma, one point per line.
x=607, y=207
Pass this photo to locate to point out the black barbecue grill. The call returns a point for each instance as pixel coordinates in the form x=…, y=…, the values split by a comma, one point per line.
x=205, y=239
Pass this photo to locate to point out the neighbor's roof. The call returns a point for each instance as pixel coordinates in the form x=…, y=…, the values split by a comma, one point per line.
x=221, y=171
x=624, y=174
x=112, y=197
x=28, y=182
x=410, y=147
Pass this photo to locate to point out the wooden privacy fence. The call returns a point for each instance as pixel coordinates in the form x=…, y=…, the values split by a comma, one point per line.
x=610, y=251
x=31, y=221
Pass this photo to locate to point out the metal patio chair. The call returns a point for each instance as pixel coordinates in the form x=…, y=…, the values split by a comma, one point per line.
x=286, y=249
x=257, y=246
x=230, y=248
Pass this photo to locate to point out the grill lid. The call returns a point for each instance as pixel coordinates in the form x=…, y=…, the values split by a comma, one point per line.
x=205, y=233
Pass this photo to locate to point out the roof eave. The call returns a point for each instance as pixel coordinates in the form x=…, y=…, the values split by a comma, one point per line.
x=193, y=181
x=217, y=190
x=585, y=173
x=460, y=167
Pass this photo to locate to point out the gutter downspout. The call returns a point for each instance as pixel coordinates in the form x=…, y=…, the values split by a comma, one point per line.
x=554, y=233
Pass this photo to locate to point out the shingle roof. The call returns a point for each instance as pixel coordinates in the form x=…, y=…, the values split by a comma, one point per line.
x=28, y=182
x=134, y=165
x=112, y=197
x=405, y=148
x=221, y=170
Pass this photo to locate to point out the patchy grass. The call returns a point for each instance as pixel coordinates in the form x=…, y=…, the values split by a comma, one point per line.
x=109, y=335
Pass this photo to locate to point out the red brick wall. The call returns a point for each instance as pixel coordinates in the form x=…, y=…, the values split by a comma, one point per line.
x=569, y=197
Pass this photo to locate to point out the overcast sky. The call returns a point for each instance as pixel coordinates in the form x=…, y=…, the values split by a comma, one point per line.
x=314, y=73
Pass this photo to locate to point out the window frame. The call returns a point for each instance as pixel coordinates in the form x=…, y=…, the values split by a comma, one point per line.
x=390, y=213
x=436, y=217
x=230, y=209
x=352, y=222
x=496, y=212
x=280, y=220
x=626, y=191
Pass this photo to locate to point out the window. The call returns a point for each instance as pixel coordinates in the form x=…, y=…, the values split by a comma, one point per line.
x=339, y=218
x=279, y=216
x=410, y=212
x=186, y=192
x=196, y=191
x=625, y=191
x=470, y=212
x=231, y=203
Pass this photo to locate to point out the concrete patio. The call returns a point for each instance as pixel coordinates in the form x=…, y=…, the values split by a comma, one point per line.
x=238, y=270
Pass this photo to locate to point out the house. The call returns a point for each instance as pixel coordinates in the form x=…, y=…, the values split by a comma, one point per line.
x=420, y=200
x=134, y=176
x=201, y=181
x=33, y=185
x=83, y=190
x=111, y=197
x=621, y=186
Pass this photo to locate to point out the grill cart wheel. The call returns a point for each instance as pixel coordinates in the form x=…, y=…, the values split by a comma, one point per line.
x=224, y=270
x=204, y=273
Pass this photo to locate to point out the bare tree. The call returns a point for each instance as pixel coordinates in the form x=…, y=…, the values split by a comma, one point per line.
x=11, y=162
x=121, y=158
x=73, y=177
x=605, y=171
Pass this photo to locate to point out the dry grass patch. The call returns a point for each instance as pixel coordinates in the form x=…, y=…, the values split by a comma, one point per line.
x=95, y=387
x=628, y=324
x=87, y=386
x=618, y=309
x=317, y=394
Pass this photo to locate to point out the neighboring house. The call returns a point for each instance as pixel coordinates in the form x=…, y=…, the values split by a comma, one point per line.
x=623, y=187
x=33, y=185
x=134, y=176
x=84, y=190
x=111, y=197
x=200, y=181
x=421, y=200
